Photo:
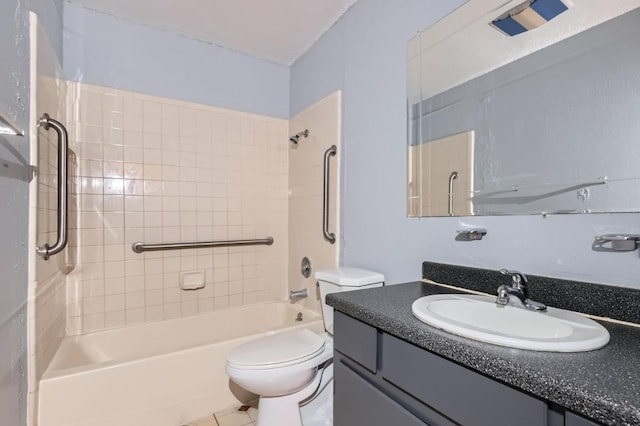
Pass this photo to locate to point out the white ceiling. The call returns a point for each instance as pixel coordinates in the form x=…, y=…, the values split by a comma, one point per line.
x=276, y=30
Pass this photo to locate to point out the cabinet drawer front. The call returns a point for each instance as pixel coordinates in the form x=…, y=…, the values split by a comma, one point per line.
x=461, y=394
x=356, y=339
x=572, y=419
x=357, y=402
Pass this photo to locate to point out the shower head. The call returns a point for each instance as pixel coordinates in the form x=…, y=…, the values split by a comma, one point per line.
x=294, y=139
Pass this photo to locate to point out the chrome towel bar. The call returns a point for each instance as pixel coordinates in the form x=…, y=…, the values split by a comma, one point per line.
x=140, y=247
x=329, y=236
x=47, y=122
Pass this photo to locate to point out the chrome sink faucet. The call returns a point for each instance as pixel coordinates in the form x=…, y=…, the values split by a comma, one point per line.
x=517, y=293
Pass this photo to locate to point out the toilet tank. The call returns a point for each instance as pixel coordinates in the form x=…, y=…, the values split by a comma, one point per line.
x=343, y=279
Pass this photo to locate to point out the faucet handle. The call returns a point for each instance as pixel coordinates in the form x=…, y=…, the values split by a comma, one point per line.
x=503, y=296
x=518, y=278
x=519, y=290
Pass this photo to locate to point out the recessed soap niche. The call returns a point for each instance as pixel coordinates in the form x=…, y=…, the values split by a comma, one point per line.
x=192, y=280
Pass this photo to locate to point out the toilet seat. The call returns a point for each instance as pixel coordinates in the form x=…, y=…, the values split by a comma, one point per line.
x=277, y=351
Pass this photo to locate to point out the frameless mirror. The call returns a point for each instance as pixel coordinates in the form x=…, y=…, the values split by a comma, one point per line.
x=544, y=121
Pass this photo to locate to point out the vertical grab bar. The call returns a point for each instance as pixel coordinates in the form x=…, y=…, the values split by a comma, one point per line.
x=453, y=176
x=63, y=151
x=329, y=236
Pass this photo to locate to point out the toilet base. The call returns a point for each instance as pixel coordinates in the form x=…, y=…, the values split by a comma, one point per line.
x=283, y=411
x=286, y=410
x=319, y=411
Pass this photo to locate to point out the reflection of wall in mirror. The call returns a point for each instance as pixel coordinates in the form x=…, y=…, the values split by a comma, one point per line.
x=439, y=159
x=414, y=188
x=551, y=127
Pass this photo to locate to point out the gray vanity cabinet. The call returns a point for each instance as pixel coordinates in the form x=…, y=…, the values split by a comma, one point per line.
x=364, y=404
x=462, y=395
x=381, y=380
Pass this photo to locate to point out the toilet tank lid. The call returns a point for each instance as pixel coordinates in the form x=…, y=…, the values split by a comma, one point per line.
x=349, y=277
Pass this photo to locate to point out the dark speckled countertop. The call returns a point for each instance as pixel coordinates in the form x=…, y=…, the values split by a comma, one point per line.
x=603, y=385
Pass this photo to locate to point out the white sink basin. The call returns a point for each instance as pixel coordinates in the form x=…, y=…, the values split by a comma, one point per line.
x=480, y=318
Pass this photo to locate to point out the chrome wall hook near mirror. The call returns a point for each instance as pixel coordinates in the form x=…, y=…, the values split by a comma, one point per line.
x=619, y=242
x=46, y=123
x=470, y=234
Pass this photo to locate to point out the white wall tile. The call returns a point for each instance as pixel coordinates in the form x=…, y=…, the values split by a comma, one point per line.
x=305, y=183
x=155, y=170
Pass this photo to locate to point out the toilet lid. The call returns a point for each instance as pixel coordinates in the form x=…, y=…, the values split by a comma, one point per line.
x=283, y=348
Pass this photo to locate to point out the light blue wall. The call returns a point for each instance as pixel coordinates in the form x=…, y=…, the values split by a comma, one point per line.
x=108, y=51
x=14, y=177
x=364, y=54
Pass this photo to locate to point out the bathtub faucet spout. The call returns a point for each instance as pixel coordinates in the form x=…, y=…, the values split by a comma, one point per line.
x=298, y=294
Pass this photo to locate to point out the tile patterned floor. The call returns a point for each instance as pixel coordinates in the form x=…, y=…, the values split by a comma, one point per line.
x=229, y=417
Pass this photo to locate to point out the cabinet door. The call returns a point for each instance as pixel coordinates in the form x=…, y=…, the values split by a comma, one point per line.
x=358, y=403
x=572, y=419
x=357, y=340
x=464, y=396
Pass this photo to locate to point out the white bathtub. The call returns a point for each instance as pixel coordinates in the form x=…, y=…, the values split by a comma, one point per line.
x=163, y=373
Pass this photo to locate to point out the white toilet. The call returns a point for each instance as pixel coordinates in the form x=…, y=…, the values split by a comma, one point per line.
x=292, y=371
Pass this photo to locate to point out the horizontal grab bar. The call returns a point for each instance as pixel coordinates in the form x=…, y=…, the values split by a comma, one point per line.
x=140, y=247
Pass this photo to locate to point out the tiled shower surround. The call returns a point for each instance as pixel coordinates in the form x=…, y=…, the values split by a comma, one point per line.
x=322, y=119
x=160, y=170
